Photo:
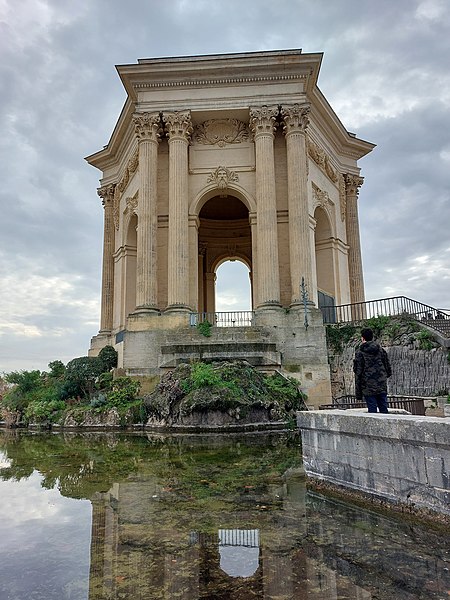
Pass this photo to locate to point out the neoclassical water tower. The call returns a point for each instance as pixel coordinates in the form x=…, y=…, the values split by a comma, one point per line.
x=229, y=156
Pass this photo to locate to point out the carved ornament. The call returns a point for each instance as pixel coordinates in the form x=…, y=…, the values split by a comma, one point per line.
x=295, y=118
x=131, y=167
x=222, y=177
x=106, y=193
x=221, y=132
x=352, y=184
x=342, y=196
x=147, y=126
x=263, y=119
x=322, y=160
x=321, y=197
x=178, y=125
x=132, y=204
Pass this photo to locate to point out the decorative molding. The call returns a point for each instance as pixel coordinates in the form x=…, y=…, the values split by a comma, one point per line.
x=132, y=204
x=222, y=177
x=221, y=132
x=352, y=184
x=263, y=119
x=147, y=126
x=178, y=124
x=322, y=160
x=342, y=196
x=295, y=118
x=131, y=167
x=106, y=193
x=320, y=197
x=223, y=81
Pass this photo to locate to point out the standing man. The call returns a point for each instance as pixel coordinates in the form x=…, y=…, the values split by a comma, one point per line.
x=372, y=369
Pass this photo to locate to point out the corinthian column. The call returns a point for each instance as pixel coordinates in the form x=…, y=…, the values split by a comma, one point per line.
x=106, y=193
x=147, y=126
x=352, y=185
x=262, y=123
x=296, y=122
x=179, y=129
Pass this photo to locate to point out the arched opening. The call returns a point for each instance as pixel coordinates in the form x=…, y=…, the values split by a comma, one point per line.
x=233, y=286
x=130, y=252
x=324, y=259
x=224, y=235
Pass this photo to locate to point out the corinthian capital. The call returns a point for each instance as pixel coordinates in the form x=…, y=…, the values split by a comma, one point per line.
x=106, y=193
x=352, y=184
x=295, y=118
x=178, y=125
x=263, y=119
x=147, y=126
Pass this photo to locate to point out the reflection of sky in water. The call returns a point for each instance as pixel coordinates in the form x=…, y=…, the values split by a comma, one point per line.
x=239, y=551
x=44, y=542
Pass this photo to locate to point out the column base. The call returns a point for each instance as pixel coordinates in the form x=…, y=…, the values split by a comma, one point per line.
x=139, y=310
x=178, y=308
x=269, y=305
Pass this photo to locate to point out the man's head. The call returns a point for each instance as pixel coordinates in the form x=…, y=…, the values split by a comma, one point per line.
x=367, y=334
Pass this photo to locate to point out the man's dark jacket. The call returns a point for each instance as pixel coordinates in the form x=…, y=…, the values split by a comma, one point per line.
x=372, y=369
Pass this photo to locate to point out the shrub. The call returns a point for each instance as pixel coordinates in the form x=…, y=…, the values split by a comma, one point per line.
x=44, y=411
x=339, y=335
x=204, y=328
x=108, y=358
x=80, y=376
x=425, y=340
x=123, y=391
x=377, y=324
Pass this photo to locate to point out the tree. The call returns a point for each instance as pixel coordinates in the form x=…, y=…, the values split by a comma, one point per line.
x=108, y=358
x=80, y=376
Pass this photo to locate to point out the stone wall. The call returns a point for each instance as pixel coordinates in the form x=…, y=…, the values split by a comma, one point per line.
x=414, y=372
x=402, y=459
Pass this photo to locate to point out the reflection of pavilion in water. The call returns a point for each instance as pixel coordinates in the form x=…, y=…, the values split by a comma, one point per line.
x=141, y=550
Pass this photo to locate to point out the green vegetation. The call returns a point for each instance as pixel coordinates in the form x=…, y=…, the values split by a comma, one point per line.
x=85, y=392
x=204, y=328
x=84, y=384
x=390, y=330
x=340, y=335
x=234, y=387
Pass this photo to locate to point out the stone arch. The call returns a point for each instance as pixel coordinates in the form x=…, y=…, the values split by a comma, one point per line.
x=129, y=262
x=324, y=251
x=224, y=233
x=210, y=191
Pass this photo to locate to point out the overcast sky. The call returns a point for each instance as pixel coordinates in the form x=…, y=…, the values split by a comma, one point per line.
x=385, y=72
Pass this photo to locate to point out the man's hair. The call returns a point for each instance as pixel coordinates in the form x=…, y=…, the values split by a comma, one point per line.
x=367, y=334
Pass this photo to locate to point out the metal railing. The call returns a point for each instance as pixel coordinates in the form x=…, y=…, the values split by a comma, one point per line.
x=241, y=318
x=435, y=318
x=413, y=404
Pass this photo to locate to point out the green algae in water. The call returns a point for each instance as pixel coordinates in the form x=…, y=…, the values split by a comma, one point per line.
x=100, y=516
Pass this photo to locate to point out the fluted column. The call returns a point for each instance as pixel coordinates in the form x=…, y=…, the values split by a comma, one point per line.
x=352, y=185
x=106, y=193
x=179, y=129
x=295, y=124
x=147, y=127
x=263, y=123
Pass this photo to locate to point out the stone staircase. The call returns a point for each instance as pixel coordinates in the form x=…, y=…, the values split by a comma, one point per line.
x=225, y=343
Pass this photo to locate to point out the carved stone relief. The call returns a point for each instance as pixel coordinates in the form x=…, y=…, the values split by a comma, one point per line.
x=222, y=177
x=322, y=160
x=221, y=132
x=342, y=196
x=321, y=198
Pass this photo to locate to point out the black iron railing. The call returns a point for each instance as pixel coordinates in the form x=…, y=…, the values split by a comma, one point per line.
x=435, y=318
x=413, y=404
x=241, y=318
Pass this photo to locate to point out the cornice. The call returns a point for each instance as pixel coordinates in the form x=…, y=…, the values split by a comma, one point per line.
x=216, y=82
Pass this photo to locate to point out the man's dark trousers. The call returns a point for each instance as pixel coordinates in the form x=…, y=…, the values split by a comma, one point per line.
x=377, y=401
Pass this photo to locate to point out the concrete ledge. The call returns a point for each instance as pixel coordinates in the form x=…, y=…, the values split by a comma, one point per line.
x=403, y=459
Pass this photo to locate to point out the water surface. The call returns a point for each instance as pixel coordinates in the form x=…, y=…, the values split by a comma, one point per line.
x=116, y=516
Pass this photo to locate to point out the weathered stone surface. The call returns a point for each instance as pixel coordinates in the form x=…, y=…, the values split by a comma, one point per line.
x=401, y=458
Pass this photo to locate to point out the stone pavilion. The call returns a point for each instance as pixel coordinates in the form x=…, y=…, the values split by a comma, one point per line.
x=227, y=157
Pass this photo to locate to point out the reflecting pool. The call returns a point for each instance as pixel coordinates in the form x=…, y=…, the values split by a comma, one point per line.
x=146, y=516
